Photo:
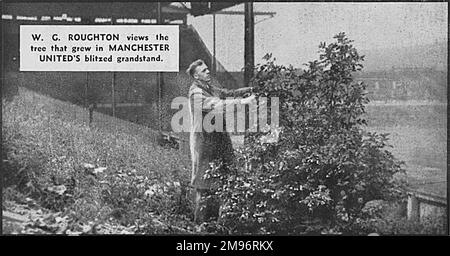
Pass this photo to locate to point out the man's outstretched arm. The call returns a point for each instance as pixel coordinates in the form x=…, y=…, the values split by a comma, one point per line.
x=215, y=103
x=236, y=92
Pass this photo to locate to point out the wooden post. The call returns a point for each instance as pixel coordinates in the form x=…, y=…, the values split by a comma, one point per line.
x=113, y=86
x=249, y=39
x=413, y=207
x=87, y=21
x=87, y=104
x=86, y=90
x=113, y=94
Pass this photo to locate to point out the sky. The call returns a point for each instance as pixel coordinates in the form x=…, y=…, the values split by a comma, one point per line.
x=293, y=35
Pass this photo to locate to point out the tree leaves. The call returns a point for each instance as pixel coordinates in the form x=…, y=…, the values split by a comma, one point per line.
x=323, y=166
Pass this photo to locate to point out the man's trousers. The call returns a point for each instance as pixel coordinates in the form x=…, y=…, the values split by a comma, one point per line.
x=206, y=207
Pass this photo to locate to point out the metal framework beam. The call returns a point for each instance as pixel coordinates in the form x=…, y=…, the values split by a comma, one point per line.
x=91, y=10
x=272, y=14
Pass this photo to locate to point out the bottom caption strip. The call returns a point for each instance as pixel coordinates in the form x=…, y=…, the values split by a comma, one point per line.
x=223, y=246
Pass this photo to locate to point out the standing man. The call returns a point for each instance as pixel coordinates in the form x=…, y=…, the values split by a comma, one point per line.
x=208, y=146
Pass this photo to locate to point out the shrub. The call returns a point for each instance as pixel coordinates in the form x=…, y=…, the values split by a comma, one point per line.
x=324, y=167
x=402, y=226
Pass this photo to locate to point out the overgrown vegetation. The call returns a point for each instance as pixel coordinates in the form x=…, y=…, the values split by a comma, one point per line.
x=92, y=176
x=324, y=175
x=324, y=167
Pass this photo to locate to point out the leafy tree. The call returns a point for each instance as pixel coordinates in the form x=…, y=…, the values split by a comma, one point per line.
x=324, y=166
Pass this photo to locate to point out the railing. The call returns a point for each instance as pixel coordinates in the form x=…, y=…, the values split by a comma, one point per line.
x=419, y=201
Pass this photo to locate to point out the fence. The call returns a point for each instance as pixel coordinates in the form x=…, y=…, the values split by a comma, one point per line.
x=423, y=205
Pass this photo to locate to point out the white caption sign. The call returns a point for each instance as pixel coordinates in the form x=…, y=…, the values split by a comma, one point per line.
x=151, y=48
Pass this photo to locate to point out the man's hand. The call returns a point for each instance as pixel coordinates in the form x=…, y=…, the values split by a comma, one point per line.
x=242, y=91
x=249, y=99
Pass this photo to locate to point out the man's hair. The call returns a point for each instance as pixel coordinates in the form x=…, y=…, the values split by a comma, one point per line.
x=191, y=69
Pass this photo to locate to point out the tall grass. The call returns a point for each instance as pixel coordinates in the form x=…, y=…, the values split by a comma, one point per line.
x=48, y=143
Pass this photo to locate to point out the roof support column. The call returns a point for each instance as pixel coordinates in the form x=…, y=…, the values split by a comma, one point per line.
x=249, y=42
x=159, y=76
x=213, y=61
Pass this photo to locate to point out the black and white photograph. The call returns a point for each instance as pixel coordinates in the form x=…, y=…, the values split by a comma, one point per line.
x=223, y=119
